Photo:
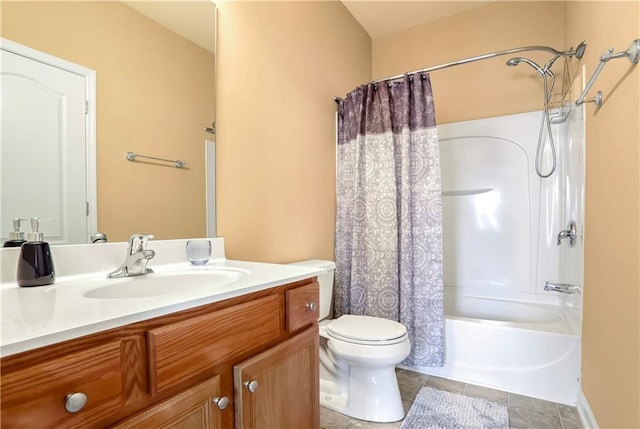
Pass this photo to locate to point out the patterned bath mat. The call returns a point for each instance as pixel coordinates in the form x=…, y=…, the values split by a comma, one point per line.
x=436, y=409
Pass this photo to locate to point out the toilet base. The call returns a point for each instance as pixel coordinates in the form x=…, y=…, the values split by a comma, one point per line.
x=373, y=395
x=331, y=398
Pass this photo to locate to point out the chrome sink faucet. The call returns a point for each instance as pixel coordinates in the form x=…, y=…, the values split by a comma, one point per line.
x=135, y=264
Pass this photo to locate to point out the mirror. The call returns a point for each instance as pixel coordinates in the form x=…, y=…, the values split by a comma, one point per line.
x=154, y=64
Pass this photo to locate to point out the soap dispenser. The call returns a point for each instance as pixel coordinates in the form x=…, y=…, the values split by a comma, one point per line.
x=16, y=237
x=35, y=263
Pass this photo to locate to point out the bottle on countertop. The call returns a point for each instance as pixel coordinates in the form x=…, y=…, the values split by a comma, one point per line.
x=35, y=263
x=16, y=237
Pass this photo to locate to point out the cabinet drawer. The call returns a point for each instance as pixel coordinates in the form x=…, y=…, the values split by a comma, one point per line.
x=182, y=351
x=302, y=306
x=34, y=397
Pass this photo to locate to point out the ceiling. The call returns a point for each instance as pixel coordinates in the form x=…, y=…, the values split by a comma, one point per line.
x=190, y=19
x=380, y=18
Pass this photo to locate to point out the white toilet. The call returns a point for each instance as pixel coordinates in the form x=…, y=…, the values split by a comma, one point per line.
x=358, y=355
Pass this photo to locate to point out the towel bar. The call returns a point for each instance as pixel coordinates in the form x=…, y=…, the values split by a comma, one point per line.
x=131, y=156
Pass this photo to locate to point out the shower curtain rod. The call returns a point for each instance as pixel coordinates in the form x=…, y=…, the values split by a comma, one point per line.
x=578, y=52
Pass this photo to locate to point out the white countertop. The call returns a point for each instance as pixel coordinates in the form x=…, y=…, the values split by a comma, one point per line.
x=34, y=317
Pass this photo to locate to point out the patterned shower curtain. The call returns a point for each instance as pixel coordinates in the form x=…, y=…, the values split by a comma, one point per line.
x=389, y=212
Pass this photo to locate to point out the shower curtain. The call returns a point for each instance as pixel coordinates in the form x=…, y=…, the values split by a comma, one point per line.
x=389, y=212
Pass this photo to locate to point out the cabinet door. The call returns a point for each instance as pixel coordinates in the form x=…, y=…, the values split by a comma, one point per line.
x=278, y=388
x=195, y=408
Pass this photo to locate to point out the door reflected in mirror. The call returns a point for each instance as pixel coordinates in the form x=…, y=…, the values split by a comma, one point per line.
x=154, y=66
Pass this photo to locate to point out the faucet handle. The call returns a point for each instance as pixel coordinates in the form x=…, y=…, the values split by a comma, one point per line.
x=571, y=233
x=138, y=242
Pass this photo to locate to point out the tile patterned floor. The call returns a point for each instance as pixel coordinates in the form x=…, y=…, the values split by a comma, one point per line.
x=524, y=412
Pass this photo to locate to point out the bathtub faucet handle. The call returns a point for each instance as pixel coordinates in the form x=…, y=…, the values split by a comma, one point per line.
x=562, y=287
x=571, y=233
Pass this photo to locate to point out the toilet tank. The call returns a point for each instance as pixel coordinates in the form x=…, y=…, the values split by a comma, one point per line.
x=326, y=283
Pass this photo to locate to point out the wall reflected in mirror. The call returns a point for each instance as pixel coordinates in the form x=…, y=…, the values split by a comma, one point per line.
x=154, y=64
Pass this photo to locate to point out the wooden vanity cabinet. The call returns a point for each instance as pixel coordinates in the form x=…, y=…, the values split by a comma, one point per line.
x=183, y=370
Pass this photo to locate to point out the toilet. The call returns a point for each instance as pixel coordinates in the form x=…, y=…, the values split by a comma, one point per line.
x=358, y=355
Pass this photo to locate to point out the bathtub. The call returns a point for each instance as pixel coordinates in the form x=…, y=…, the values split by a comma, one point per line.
x=526, y=348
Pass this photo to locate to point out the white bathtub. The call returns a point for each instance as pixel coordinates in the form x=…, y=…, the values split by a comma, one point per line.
x=529, y=349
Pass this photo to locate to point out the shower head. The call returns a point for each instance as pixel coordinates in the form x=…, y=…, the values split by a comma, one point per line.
x=512, y=62
x=578, y=52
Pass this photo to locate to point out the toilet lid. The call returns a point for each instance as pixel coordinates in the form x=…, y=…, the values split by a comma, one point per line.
x=361, y=329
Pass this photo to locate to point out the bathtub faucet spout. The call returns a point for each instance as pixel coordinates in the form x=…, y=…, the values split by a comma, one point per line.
x=562, y=287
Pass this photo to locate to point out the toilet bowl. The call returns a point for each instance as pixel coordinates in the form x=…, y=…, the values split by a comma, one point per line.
x=358, y=355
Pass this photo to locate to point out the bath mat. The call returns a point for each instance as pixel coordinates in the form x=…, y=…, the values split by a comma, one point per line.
x=437, y=409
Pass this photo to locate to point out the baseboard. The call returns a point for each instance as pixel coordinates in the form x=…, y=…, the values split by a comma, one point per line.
x=584, y=411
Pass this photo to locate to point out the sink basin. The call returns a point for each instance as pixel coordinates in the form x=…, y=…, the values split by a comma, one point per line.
x=165, y=283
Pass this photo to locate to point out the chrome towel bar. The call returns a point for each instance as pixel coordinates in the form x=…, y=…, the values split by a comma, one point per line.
x=131, y=156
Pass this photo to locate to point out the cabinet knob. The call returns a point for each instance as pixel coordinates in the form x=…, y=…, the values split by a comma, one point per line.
x=74, y=402
x=251, y=385
x=221, y=402
x=311, y=306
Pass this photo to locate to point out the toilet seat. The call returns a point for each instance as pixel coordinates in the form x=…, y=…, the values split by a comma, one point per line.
x=366, y=330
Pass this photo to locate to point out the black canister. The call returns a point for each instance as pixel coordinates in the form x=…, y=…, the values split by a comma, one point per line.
x=35, y=263
x=13, y=243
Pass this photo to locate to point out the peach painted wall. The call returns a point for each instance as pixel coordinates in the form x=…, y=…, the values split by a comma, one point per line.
x=280, y=65
x=486, y=88
x=155, y=94
x=611, y=329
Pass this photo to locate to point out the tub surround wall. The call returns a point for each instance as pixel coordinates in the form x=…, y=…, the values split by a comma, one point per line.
x=503, y=330
x=500, y=219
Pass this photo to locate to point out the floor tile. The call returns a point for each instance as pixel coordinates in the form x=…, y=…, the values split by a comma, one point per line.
x=532, y=404
x=361, y=424
x=445, y=384
x=405, y=374
x=486, y=393
x=330, y=419
x=570, y=417
x=406, y=405
x=524, y=412
x=410, y=383
x=524, y=418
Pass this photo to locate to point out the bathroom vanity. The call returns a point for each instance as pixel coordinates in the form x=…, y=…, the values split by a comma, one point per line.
x=246, y=357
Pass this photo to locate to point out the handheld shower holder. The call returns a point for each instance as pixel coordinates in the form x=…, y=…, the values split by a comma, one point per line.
x=632, y=54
